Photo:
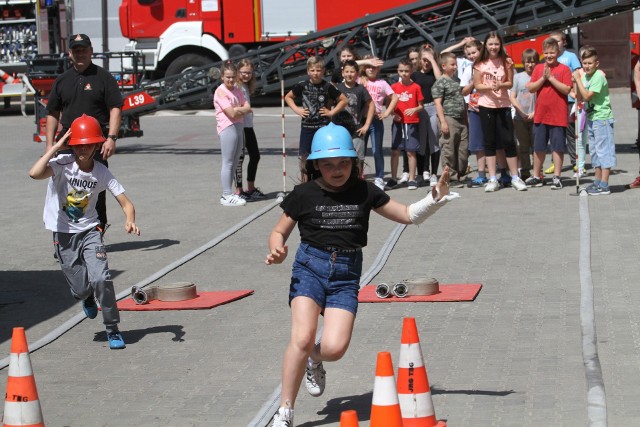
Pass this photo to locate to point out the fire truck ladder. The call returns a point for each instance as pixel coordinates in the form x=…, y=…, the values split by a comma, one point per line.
x=388, y=35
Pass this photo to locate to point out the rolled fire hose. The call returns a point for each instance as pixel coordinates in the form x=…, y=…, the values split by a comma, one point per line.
x=179, y=291
x=410, y=287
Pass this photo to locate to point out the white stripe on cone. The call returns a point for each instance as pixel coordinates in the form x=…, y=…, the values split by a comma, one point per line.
x=410, y=354
x=420, y=405
x=22, y=413
x=384, y=392
x=20, y=365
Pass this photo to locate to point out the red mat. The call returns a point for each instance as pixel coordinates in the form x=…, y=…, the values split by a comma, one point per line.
x=202, y=301
x=448, y=293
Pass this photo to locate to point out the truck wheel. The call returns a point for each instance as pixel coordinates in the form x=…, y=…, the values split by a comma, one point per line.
x=236, y=50
x=186, y=63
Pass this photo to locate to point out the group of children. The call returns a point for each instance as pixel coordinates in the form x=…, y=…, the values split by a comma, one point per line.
x=446, y=108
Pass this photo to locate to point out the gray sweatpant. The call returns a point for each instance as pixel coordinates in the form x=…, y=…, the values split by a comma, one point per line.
x=83, y=260
x=231, y=144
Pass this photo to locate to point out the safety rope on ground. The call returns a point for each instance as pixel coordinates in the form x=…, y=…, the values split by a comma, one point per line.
x=69, y=324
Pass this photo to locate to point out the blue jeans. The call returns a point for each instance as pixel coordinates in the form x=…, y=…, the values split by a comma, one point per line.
x=330, y=278
x=376, y=132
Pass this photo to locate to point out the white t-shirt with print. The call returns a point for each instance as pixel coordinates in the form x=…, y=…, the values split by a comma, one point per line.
x=70, y=204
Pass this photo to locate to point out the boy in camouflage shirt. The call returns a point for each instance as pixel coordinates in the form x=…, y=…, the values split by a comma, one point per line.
x=454, y=132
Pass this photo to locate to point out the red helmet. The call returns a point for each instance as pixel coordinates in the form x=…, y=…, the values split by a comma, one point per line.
x=86, y=130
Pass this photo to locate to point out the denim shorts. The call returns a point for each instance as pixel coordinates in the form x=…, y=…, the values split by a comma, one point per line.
x=330, y=278
x=601, y=143
x=555, y=135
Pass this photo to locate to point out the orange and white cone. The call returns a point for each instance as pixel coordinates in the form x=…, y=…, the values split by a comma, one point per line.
x=385, y=408
x=6, y=77
x=349, y=418
x=21, y=405
x=414, y=393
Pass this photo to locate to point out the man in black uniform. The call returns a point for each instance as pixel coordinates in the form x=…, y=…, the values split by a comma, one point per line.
x=87, y=89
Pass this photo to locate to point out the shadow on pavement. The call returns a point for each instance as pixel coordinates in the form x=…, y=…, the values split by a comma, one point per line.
x=147, y=245
x=28, y=298
x=360, y=403
x=133, y=336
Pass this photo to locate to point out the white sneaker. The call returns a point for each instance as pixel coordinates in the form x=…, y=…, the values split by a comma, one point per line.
x=518, y=184
x=426, y=176
x=283, y=418
x=379, y=182
x=315, y=379
x=433, y=180
x=491, y=186
x=404, y=178
x=232, y=200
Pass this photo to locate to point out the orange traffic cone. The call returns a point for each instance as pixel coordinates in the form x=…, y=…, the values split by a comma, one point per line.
x=349, y=418
x=21, y=405
x=385, y=408
x=414, y=393
x=6, y=77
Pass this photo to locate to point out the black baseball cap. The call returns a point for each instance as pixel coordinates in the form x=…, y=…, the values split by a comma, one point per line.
x=79, y=40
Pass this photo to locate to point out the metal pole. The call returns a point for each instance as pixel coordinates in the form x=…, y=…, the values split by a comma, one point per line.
x=105, y=34
x=284, y=148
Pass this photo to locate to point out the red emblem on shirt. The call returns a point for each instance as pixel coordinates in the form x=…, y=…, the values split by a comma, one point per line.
x=87, y=86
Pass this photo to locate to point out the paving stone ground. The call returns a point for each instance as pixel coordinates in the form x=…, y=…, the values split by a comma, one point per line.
x=512, y=357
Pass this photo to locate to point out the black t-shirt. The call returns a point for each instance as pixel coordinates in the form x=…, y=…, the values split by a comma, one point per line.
x=93, y=92
x=334, y=219
x=425, y=81
x=314, y=97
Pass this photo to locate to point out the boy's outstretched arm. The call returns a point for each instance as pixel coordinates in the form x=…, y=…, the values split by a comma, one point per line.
x=277, y=249
x=41, y=169
x=129, y=213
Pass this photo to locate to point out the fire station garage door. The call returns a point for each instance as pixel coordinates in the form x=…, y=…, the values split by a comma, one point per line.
x=288, y=17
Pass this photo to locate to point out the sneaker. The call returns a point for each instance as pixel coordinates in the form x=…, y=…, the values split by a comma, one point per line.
x=283, y=418
x=243, y=195
x=412, y=185
x=404, y=178
x=550, y=170
x=636, y=183
x=116, y=342
x=505, y=181
x=315, y=379
x=90, y=308
x=256, y=195
x=596, y=190
x=534, y=181
x=379, y=183
x=232, y=200
x=556, y=184
x=426, y=176
x=433, y=180
x=605, y=191
x=478, y=181
x=518, y=184
x=492, y=185
x=390, y=184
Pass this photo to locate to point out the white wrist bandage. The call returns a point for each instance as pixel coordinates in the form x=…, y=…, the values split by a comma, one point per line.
x=423, y=209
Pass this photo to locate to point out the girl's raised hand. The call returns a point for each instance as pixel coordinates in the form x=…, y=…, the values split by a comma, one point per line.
x=442, y=187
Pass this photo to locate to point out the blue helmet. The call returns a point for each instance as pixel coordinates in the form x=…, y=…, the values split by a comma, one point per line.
x=332, y=141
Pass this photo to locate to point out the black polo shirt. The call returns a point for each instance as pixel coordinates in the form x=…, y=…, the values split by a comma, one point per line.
x=93, y=92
